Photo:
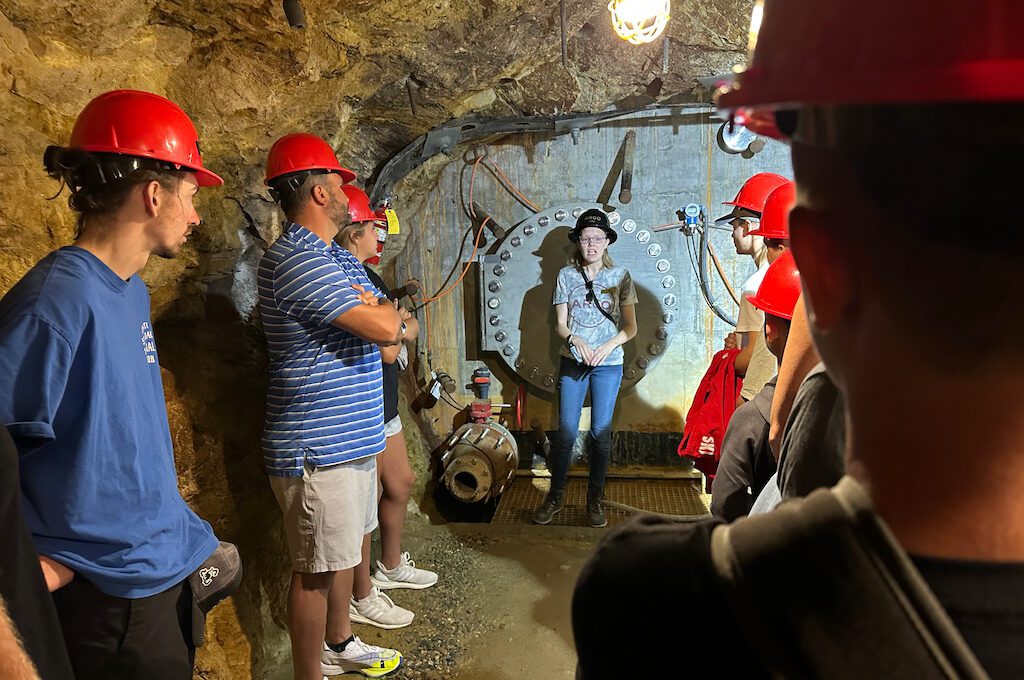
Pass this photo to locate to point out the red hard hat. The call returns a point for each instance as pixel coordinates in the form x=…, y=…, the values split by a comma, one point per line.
x=755, y=191
x=299, y=152
x=780, y=288
x=358, y=204
x=877, y=51
x=775, y=217
x=144, y=125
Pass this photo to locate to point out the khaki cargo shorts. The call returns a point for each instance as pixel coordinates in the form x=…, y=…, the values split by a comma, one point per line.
x=327, y=511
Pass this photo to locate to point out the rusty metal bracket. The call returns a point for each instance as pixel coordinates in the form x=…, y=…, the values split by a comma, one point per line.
x=628, y=147
x=440, y=140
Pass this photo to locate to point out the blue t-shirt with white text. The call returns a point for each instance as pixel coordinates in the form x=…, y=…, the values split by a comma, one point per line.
x=82, y=396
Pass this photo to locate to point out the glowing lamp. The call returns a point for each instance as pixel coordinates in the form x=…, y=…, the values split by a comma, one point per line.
x=639, y=21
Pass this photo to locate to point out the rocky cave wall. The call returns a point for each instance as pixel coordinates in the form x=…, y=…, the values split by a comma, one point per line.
x=246, y=78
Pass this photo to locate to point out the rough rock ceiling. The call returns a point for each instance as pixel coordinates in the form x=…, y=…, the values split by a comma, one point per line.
x=246, y=78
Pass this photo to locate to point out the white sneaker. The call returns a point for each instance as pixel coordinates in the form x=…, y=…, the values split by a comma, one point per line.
x=377, y=609
x=359, y=657
x=405, y=575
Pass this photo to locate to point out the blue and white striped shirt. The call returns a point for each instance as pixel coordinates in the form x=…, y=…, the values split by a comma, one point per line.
x=325, y=402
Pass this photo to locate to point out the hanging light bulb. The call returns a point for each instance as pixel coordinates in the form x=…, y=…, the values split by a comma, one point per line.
x=639, y=21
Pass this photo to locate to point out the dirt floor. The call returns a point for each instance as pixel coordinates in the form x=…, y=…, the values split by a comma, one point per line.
x=500, y=610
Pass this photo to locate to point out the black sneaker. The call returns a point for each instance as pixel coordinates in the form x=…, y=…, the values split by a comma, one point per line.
x=551, y=506
x=595, y=511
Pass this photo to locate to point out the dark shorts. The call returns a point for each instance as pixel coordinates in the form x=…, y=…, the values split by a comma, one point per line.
x=113, y=637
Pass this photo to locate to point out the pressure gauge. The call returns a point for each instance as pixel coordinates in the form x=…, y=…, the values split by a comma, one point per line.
x=691, y=215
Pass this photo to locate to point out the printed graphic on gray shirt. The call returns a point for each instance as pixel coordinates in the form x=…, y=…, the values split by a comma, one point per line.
x=612, y=289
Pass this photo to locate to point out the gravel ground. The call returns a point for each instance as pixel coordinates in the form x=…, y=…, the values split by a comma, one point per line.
x=447, y=615
x=501, y=602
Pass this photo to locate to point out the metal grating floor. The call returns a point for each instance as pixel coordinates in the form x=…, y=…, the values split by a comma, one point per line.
x=670, y=496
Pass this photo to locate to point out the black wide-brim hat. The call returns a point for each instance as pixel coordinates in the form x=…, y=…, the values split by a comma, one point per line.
x=593, y=218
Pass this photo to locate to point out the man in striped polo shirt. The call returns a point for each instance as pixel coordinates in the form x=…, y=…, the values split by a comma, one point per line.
x=325, y=419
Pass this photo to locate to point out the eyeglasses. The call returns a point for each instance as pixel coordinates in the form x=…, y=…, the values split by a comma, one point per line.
x=593, y=240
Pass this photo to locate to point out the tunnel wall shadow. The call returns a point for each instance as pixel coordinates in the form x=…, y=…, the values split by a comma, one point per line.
x=218, y=369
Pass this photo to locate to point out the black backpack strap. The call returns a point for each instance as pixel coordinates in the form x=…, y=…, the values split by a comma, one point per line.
x=592, y=296
x=822, y=590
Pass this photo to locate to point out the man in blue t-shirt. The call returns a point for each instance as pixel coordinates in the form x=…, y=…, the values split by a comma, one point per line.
x=325, y=409
x=83, y=399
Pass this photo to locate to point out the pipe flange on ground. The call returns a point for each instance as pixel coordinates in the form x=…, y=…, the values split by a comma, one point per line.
x=479, y=461
x=469, y=477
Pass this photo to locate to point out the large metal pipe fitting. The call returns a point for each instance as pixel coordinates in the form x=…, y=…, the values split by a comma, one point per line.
x=479, y=462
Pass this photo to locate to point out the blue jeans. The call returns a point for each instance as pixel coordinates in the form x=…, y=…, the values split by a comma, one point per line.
x=574, y=379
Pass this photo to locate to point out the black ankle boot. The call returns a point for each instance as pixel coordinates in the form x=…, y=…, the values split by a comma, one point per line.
x=551, y=506
x=595, y=510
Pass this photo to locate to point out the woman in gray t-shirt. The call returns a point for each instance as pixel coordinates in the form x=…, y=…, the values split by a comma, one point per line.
x=594, y=302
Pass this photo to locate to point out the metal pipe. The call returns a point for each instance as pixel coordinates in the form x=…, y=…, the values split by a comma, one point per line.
x=402, y=291
x=565, y=47
x=294, y=13
x=484, y=217
x=664, y=515
x=542, y=444
x=410, y=88
x=703, y=246
x=628, y=473
x=446, y=382
x=628, y=147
